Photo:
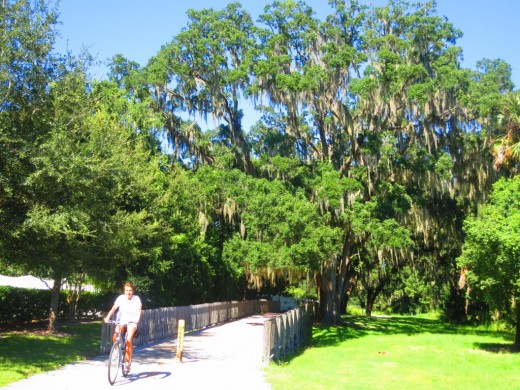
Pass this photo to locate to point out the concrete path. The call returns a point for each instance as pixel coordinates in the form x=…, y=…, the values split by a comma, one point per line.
x=227, y=356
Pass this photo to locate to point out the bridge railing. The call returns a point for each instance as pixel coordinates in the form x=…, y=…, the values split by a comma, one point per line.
x=161, y=323
x=288, y=332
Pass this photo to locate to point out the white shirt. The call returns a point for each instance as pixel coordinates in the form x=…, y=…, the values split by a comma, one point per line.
x=128, y=308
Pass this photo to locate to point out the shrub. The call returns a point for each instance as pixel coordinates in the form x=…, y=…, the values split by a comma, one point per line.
x=24, y=305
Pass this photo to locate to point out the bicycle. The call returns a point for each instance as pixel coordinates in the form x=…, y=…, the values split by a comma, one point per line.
x=116, y=358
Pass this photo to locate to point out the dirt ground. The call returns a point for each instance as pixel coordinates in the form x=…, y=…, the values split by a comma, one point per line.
x=227, y=356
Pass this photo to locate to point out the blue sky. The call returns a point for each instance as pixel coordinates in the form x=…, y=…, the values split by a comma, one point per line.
x=137, y=28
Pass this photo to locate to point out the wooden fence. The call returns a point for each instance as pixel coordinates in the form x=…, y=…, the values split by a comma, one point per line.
x=158, y=324
x=288, y=332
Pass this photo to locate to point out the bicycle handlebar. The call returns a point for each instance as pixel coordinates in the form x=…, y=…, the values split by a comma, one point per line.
x=119, y=322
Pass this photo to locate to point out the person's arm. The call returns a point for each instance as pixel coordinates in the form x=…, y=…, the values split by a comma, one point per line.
x=139, y=314
x=110, y=313
x=139, y=309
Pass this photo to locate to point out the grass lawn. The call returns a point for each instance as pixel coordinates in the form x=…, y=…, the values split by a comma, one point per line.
x=25, y=353
x=401, y=353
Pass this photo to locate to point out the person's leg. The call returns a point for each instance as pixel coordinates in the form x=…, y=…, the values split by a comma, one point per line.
x=117, y=330
x=132, y=328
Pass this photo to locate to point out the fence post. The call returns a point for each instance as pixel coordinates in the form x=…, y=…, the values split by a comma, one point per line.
x=106, y=339
x=297, y=328
x=269, y=336
x=287, y=333
x=283, y=336
x=180, y=341
x=292, y=330
x=278, y=340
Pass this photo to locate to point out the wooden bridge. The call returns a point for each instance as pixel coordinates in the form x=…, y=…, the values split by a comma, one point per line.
x=283, y=333
x=229, y=355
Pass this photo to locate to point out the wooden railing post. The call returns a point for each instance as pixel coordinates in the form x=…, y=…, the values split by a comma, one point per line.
x=269, y=337
x=106, y=338
x=180, y=341
x=288, y=333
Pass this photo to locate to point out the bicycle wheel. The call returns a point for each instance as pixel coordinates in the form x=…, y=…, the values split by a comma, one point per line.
x=114, y=360
x=123, y=357
x=125, y=374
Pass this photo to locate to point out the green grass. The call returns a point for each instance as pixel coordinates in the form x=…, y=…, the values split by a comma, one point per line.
x=23, y=354
x=368, y=353
x=401, y=353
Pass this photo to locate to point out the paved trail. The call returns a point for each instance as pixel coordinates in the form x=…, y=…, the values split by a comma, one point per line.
x=227, y=356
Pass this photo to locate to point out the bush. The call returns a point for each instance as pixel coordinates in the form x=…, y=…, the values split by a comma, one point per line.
x=92, y=304
x=304, y=290
x=23, y=305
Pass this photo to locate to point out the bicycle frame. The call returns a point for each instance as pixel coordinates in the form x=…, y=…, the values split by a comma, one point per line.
x=116, y=358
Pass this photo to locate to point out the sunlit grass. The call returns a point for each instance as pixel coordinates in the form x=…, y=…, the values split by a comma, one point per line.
x=369, y=353
x=401, y=353
x=23, y=354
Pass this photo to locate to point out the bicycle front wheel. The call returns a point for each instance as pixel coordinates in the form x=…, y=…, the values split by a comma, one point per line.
x=113, y=363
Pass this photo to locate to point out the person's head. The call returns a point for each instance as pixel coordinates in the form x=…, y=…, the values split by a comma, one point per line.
x=129, y=290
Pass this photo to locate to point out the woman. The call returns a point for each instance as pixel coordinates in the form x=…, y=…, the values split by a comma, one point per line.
x=129, y=314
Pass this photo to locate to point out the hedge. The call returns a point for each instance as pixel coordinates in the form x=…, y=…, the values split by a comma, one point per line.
x=23, y=305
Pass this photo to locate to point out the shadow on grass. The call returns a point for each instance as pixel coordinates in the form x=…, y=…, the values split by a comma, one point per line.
x=360, y=326
x=25, y=351
x=497, y=347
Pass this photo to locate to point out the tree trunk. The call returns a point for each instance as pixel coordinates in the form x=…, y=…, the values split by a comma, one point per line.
x=369, y=304
x=328, y=296
x=368, y=309
x=517, y=325
x=74, y=295
x=350, y=289
x=343, y=304
x=347, y=276
x=235, y=121
x=55, y=300
x=337, y=279
x=73, y=299
x=372, y=294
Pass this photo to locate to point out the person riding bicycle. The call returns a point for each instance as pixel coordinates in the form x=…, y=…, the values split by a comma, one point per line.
x=129, y=314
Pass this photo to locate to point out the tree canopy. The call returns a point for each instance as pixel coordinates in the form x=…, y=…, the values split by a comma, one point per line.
x=373, y=147
x=492, y=249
